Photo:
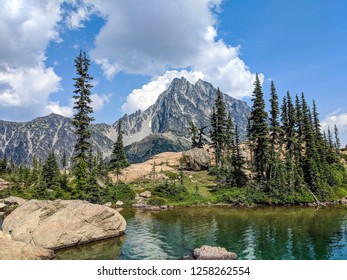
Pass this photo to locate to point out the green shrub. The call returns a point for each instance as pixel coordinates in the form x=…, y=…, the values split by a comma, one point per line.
x=157, y=201
x=120, y=191
x=171, y=175
x=167, y=189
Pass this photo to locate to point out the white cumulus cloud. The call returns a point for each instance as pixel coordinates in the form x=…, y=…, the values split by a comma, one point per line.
x=163, y=36
x=141, y=99
x=26, y=28
x=56, y=108
x=81, y=13
x=98, y=101
x=340, y=120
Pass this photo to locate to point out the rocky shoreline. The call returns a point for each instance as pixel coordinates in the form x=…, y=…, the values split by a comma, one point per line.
x=38, y=227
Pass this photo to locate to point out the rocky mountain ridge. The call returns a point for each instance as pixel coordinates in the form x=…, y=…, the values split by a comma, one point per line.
x=160, y=128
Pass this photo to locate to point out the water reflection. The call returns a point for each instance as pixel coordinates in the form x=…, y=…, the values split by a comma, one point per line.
x=262, y=233
x=102, y=250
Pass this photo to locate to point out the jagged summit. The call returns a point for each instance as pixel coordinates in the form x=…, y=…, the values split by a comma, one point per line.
x=161, y=127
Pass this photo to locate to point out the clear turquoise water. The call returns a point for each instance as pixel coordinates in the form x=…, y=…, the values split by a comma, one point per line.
x=261, y=233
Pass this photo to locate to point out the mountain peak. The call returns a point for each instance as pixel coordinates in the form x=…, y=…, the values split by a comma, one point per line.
x=164, y=126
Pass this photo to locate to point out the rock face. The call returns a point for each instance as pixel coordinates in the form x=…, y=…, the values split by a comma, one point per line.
x=213, y=253
x=160, y=128
x=197, y=159
x=59, y=224
x=15, y=250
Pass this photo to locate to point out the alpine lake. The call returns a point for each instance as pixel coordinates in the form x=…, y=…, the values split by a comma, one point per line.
x=261, y=233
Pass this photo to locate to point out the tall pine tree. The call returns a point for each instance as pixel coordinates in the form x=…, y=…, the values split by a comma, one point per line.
x=218, y=131
x=118, y=157
x=259, y=132
x=82, y=119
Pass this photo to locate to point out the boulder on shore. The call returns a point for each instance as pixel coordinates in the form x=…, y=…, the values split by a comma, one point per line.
x=16, y=250
x=146, y=194
x=10, y=203
x=343, y=201
x=197, y=159
x=62, y=223
x=213, y=253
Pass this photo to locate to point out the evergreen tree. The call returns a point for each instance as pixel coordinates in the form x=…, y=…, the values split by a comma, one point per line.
x=194, y=132
x=284, y=120
x=50, y=172
x=118, y=157
x=259, y=132
x=299, y=117
x=237, y=162
x=81, y=119
x=181, y=174
x=201, y=137
x=299, y=133
x=218, y=132
x=316, y=123
x=311, y=159
x=275, y=132
x=81, y=178
x=291, y=136
x=64, y=163
x=325, y=137
x=102, y=169
x=229, y=135
x=275, y=129
x=337, y=138
x=36, y=170
x=3, y=165
x=330, y=138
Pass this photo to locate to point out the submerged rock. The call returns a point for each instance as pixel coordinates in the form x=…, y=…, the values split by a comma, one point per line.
x=16, y=250
x=213, y=253
x=61, y=223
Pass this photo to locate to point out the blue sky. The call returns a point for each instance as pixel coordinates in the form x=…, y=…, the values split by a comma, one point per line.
x=136, y=50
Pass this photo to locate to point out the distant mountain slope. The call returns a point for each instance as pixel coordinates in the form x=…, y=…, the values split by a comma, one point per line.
x=162, y=127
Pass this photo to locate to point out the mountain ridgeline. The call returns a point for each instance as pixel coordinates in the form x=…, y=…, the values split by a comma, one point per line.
x=162, y=127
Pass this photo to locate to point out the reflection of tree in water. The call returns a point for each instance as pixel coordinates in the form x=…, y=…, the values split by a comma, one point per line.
x=260, y=233
x=283, y=233
x=179, y=231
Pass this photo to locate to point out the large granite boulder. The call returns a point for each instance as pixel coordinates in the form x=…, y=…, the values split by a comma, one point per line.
x=213, y=253
x=62, y=223
x=16, y=250
x=197, y=159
